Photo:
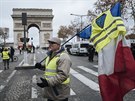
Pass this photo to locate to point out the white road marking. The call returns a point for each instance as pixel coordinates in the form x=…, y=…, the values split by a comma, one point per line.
x=95, y=66
x=21, y=62
x=8, y=79
x=2, y=87
x=34, y=93
x=34, y=90
x=34, y=79
x=1, y=71
x=91, y=84
x=88, y=70
x=11, y=75
x=72, y=92
x=34, y=59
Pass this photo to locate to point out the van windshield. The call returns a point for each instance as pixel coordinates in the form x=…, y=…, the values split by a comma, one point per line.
x=68, y=46
x=84, y=45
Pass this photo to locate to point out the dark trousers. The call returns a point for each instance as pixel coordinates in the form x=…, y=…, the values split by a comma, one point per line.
x=60, y=100
x=12, y=58
x=6, y=64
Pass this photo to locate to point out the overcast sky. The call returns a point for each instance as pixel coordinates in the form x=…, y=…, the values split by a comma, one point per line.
x=61, y=10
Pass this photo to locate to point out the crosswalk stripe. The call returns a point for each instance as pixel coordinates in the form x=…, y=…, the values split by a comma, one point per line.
x=91, y=84
x=88, y=70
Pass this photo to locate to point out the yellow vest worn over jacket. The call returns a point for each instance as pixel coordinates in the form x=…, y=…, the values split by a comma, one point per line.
x=113, y=26
x=5, y=55
x=51, y=68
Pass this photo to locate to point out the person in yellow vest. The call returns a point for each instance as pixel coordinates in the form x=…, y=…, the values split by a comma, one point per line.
x=56, y=81
x=6, y=57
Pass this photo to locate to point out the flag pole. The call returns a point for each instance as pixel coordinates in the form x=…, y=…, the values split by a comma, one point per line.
x=67, y=40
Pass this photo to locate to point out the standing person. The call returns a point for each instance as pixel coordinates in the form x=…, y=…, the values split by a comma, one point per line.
x=20, y=50
x=91, y=52
x=56, y=82
x=12, y=51
x=6, y=57
x=33, y=48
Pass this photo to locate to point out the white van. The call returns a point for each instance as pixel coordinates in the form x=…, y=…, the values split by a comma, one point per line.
x=80, y=48
x=68, y=45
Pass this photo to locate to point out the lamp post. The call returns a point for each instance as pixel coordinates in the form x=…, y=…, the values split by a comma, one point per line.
x=24, y=22
x=81, y=16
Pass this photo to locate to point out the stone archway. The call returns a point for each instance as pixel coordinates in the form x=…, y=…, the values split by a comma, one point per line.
x=39, y=18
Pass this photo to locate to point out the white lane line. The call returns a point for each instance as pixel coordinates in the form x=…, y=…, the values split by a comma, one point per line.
x=8, y=79
x=11, y=75
x=91, y=84
x=72, y=92
x=95, y=66
x=2, y=87
x=1, y=71
x=88, y=70
x=34, y=90
x=21, y=62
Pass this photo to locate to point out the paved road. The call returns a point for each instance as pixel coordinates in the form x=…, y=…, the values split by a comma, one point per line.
x=20, y=85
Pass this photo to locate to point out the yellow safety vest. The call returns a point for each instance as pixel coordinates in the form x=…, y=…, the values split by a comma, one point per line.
x=113, y=26
x=5, y=55
x=50, y=70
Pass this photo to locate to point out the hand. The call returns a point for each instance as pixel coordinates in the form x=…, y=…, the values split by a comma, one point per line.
x=43, y=84
x=38, y=65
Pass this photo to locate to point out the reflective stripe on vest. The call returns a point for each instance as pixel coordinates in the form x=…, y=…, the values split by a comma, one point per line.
x=51, y=68
x=5, y=55
x=113, y=26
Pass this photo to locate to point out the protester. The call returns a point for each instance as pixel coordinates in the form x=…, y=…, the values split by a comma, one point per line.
x=12, y=51
x=56, y=82
x=91, y=52
x=20, y=50
x=6, y=57
x=33, y=47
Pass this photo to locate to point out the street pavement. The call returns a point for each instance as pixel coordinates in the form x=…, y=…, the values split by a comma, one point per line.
x=20, y=84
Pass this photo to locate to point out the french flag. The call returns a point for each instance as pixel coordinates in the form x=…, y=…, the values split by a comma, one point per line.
x=116, y=70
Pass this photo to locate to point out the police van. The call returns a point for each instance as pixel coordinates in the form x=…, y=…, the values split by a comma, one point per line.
x=80, y=48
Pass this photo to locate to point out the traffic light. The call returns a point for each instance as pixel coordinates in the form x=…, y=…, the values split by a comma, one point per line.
x=24, y=18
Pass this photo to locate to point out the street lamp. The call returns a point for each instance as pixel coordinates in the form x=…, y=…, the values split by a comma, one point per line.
x=81, y=16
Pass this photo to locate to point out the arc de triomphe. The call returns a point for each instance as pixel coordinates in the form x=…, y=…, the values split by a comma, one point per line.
x=39, y=18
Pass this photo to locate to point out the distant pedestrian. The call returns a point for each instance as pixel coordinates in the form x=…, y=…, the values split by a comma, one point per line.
x=6, y=57
x=12, y=51
x=33, y=48
x=91, y=52
x=20, y=50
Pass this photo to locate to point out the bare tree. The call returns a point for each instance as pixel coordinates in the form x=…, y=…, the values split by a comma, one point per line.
x=127, y=9
x=130, y=10
x=65, y=31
